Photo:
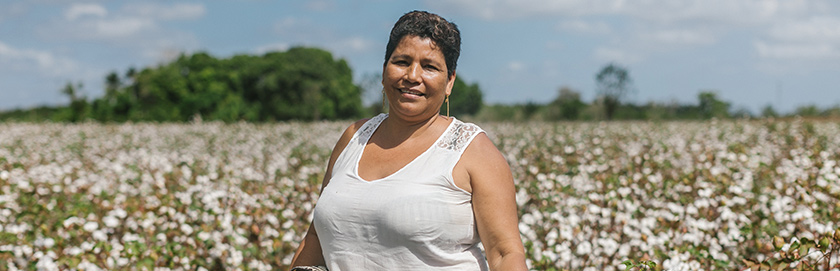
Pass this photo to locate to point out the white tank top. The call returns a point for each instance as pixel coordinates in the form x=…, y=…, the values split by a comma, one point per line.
x=414, y=219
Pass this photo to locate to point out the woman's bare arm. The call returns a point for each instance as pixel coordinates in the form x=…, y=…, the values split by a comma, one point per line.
x=309, y=252
x=494, y=204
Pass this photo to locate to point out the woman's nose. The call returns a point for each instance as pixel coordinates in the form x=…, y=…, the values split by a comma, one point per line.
x=412, y=74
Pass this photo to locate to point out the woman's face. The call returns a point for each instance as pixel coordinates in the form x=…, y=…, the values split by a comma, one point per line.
x=415, y=79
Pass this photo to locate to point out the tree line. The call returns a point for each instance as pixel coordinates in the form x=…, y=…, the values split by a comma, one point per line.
x=613, y=85
x=298, y=84
x=309, y=84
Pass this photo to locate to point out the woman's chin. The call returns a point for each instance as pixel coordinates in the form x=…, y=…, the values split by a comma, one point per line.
x=411, y=111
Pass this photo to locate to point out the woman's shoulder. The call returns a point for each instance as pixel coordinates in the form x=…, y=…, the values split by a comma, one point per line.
x=480, y=146
x=351, y=130
x=356, y=126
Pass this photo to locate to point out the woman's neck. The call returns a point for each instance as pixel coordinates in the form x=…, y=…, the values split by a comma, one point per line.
x=400, y=130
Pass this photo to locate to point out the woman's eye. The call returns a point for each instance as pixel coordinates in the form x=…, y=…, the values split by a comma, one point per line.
x=432, y=68
x=400, y=62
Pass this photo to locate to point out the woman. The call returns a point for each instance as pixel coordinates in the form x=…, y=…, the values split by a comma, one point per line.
x=413, y=190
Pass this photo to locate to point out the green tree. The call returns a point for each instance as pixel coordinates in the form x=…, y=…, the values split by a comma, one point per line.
x=807, y=111
x=307, y=83
x=711, y=106
x=70, y=91
x=613, y=83
x=466, y=99
x=769, y=112
x=567, y=105
x=78, y=109
x=299, y=84
x=530, y=109
x=112, y=84
x=302, y=84
x=833, y=111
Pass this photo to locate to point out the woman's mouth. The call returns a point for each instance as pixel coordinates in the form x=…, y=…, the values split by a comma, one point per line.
x=406, y=91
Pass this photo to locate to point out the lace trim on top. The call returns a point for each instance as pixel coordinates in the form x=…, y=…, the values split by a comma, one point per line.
x=369, y=127
x=459, y=137
x=454, y=140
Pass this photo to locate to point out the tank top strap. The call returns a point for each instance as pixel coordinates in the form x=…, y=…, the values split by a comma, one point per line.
x=363, y=135
x=348, y=157
x=459, y=136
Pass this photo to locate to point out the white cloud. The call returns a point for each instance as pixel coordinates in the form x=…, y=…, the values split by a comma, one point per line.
x=514, y=9
x=166, y=12
x=357, y=44
x=815, y=29
x=815, y=38
x=797, y=51
x=122, y=27
x=585, y=27
x=308, y=32
x=719, y=11
x=139, y=27
x=729, y=12
x=28, y=59
x=516, y=66
x=637, y=29
x=93, y=21
x=79, y=10
x=682, y=37
x=126, y=30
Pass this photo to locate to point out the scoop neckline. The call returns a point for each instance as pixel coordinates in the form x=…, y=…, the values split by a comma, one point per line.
x=362, y=152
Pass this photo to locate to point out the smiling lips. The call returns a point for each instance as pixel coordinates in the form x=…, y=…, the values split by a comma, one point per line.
x=406, y=91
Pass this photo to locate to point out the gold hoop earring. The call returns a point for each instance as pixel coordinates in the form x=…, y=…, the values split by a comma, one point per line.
x=447, y=106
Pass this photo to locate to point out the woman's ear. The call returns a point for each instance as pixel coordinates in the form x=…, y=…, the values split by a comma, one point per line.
x=382, y=76
x=450, y=84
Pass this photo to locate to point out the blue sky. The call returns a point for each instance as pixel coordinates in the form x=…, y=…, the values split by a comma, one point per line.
x=784, y=53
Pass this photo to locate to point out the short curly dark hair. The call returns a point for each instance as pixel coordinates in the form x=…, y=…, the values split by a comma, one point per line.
x=423, y=24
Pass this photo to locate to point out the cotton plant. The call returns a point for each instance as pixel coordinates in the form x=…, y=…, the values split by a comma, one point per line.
x=157, y=196
x=690, y=196
x=592, y=196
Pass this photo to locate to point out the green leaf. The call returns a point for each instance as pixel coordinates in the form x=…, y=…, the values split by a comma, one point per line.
x=148, y=263
x=779, y=266
x=803, y=250
x=73, y=262
x=824, y=243
x=793, y=246
x=628, y=264
x=764, y=266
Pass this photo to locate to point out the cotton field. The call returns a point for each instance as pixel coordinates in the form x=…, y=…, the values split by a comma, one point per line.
x=211, y=196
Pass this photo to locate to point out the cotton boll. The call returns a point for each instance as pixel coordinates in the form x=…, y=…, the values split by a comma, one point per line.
x=584, y=248
x=110, y=221
x=186, y=229
x=90, y=226
x=99, y=235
